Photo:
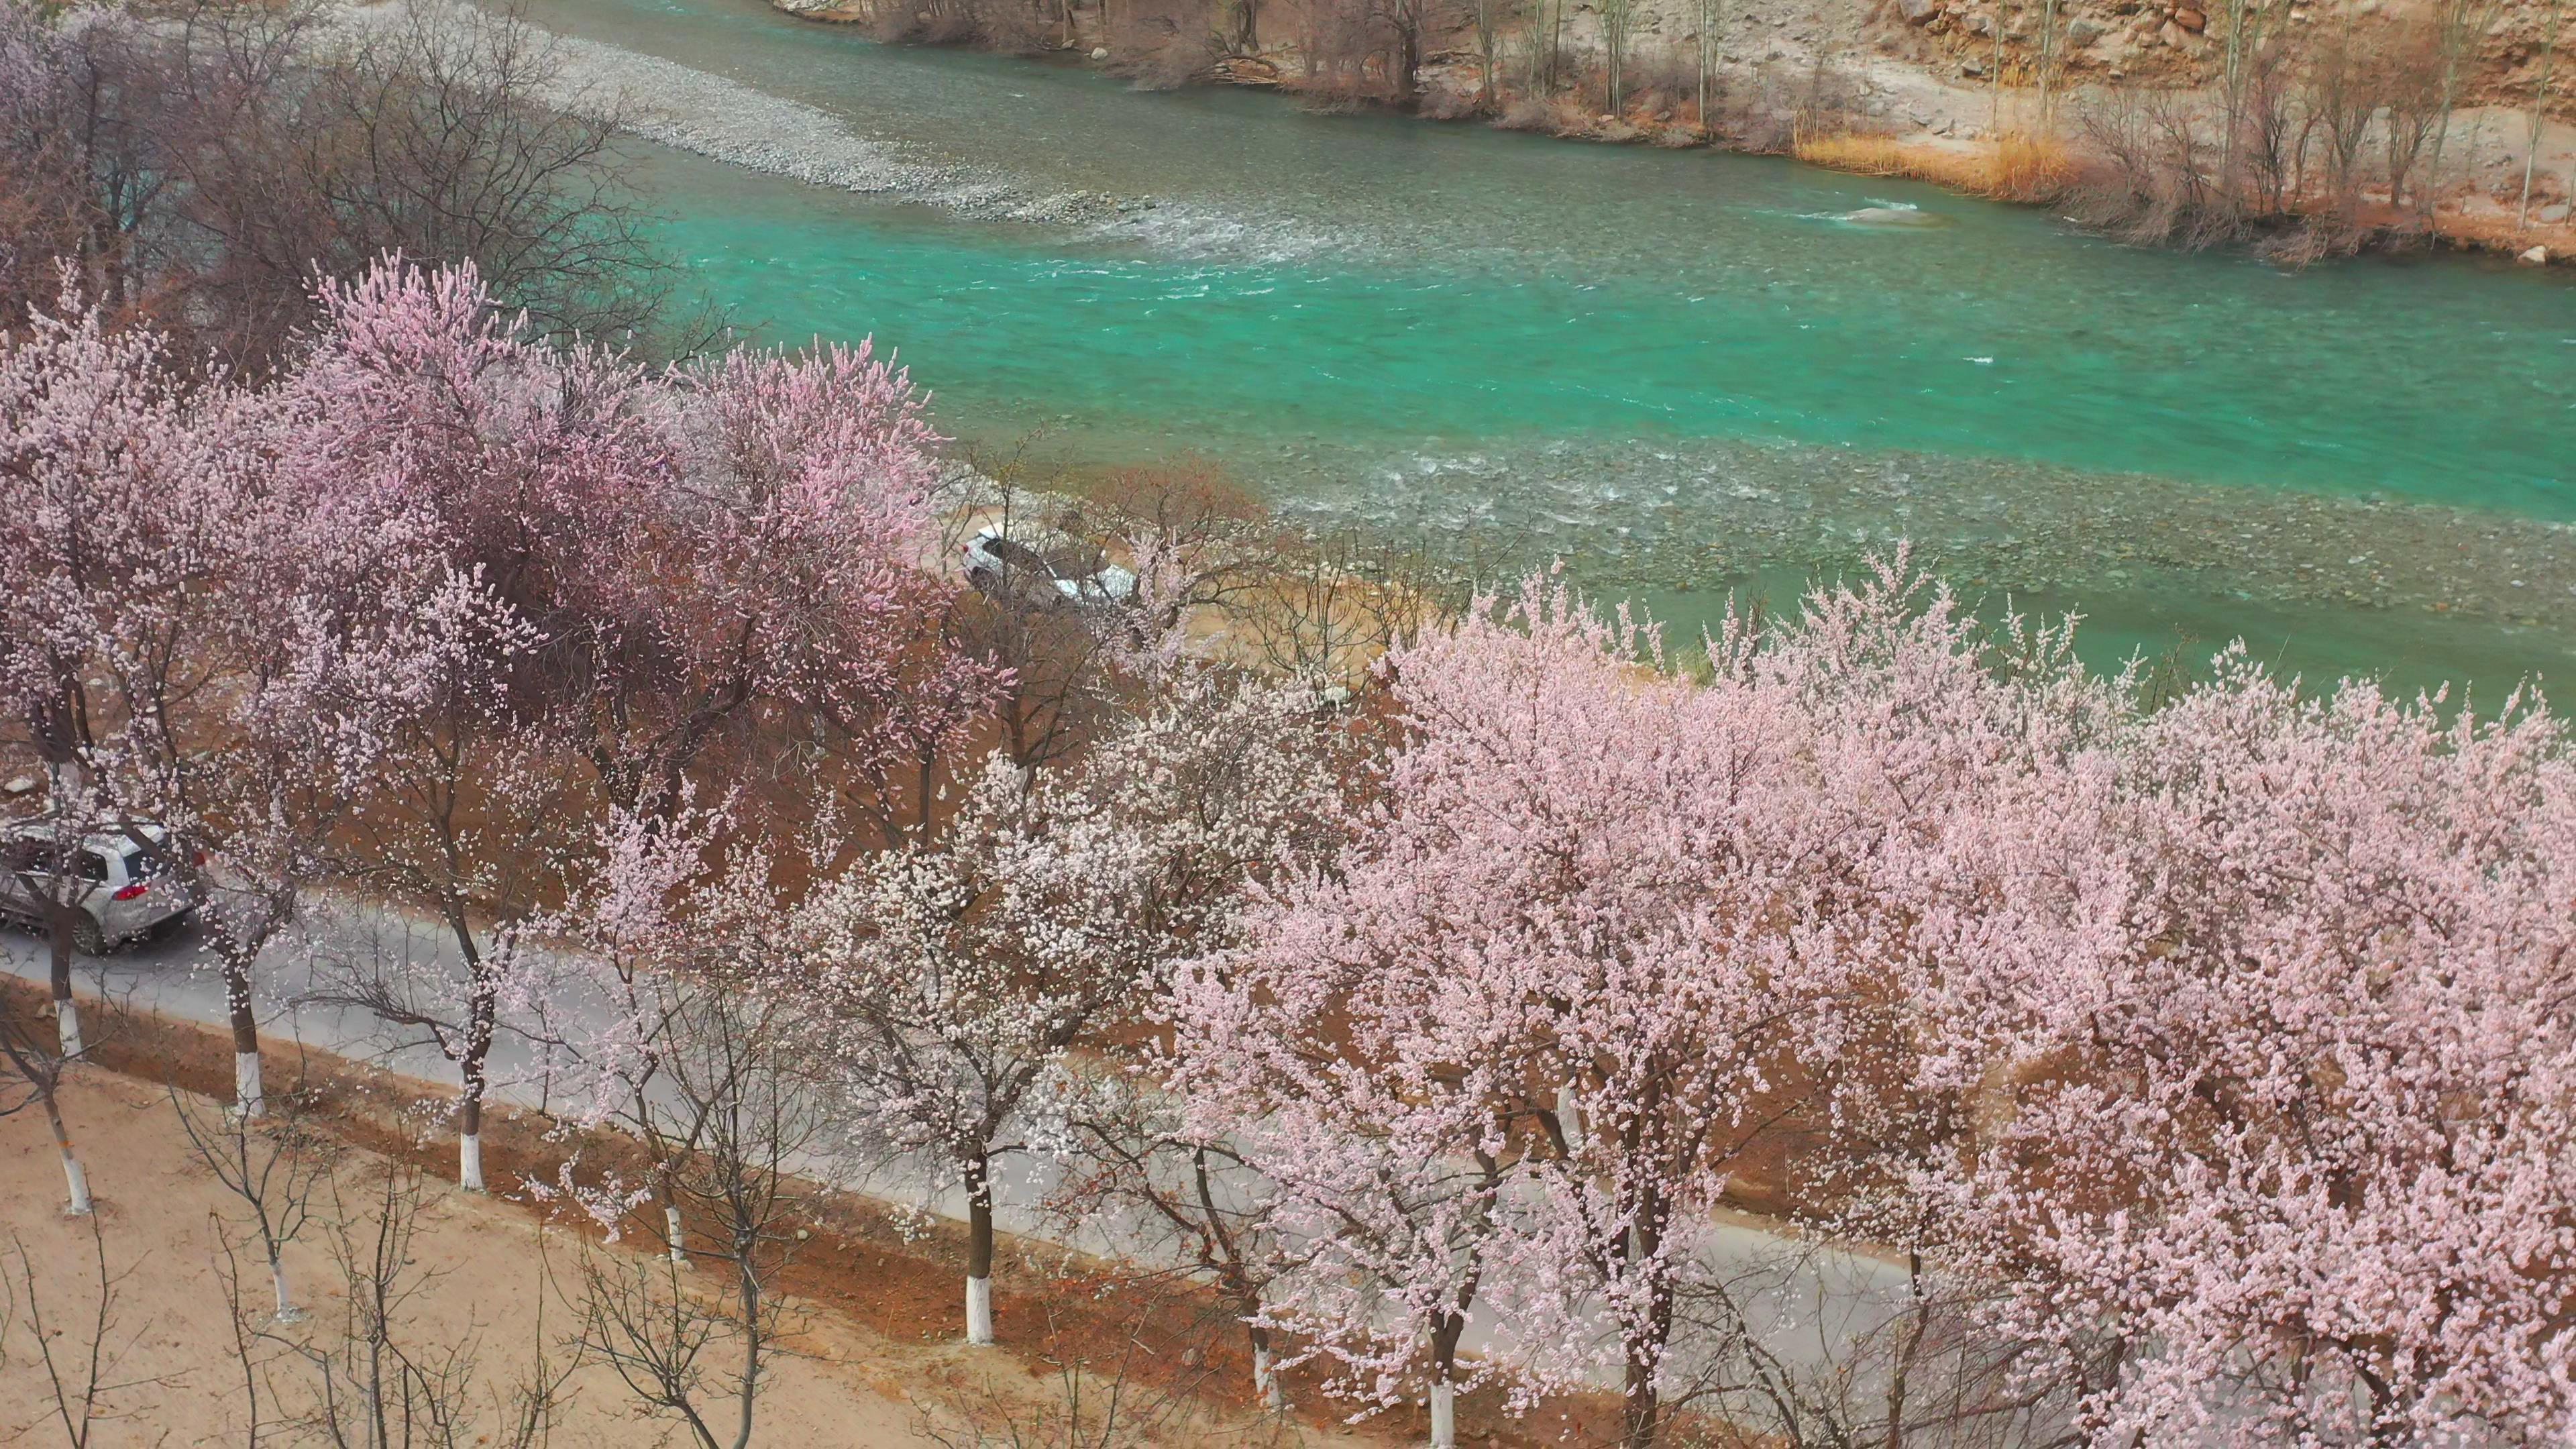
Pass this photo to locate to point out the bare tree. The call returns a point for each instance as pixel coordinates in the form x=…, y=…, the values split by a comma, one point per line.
x=78, y=183
x=2417, y=102
x=1135, y=1170
x=2538, y=115
x=1618, y=19
x=276, y=1168
x=79, y=1370
x=38, y=1060
x=1329, y=604
x=374, y=1383
x=2339, y=101
x=1760, y=1362
x=737, y=1116
x=1708, y=16
x=444, y=134
x=2459, y=28
x=206, y=171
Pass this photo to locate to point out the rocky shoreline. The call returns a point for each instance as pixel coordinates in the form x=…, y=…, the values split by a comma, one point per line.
x=1924, y=84
x=708, y=115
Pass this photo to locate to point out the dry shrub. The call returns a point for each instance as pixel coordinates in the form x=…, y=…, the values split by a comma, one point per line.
x=1163, y=45
x=1527, y=114
x=1759, y=115
x=1015, y=27
x=1189, y=495
x=2032, y=168
x=899, y=22
x=2014, y=168
x=1336, y=40
x=2313, y=239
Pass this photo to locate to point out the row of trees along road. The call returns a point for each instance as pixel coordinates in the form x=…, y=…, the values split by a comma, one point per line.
x=2201, y=1055
x=2204, y=1056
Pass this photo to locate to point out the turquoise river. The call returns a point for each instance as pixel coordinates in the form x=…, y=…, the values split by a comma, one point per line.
x=1677, y=371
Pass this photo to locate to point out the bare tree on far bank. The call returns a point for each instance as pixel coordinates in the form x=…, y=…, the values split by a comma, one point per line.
x=205, y=173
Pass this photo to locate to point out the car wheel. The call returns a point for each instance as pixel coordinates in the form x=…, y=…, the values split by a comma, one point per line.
x=87, y=938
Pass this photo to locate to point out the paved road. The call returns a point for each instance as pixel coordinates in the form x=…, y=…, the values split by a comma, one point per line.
x=1811, y=1303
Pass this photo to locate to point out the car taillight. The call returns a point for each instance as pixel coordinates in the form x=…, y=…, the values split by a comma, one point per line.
x=133, y=892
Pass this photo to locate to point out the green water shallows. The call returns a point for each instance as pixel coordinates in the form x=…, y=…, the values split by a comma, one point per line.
x=1675, y=368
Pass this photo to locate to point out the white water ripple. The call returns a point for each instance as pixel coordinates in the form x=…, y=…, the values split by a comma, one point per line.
x=726, y=120
x=710, y=115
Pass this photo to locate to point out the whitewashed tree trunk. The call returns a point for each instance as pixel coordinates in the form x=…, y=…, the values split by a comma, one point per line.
x=67, y=1026
x=671, y=1234
x=1265, y=1381
x=77, y=1180
x=250, y=1096
x=1444, y=1414
x=287, y=1312
x=1569, y=1117
x=72, y=1174
x=979, y=1310
x=469, y=1161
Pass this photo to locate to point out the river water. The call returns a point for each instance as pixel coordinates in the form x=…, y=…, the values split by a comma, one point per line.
x=1677, y=371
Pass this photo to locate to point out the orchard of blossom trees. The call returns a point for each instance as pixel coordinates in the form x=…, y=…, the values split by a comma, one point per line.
x=2199, y=1067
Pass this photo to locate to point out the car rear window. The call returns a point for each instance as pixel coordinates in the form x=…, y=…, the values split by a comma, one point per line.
x=1017, y=555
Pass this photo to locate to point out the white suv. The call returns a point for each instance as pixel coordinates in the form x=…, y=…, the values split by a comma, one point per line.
x=1040, y=568
x=121, y=889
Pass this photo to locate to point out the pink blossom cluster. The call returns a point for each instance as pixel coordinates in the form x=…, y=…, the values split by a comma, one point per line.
x=2216, y=1056
x=2212, y=1058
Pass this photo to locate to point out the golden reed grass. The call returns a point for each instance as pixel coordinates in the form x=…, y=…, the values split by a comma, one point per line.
x=2015, y=167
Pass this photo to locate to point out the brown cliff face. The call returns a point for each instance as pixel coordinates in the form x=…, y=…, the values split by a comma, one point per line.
x=2307, y=127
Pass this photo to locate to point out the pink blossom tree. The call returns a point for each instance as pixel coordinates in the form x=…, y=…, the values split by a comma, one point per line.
x=1605, y=935
x=507, y=462
x=671, y=561
x=117, y=493
x=2264, y=1020
x=951, y=979
x=775, y=564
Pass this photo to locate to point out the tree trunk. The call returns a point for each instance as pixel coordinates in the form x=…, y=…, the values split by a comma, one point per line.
x=1641, y=1398
x=1638, y=1403
x=77, y=1180
x=1901, y=1378
x=2540, y=108
x=748, y=1285
x=249, y=1096
x=67, y=1027
x=469, y=1134
x=979, y=1252
x=287, y=1312
x=1444, y=1390
x=1265, y=1380
x=482, y=1010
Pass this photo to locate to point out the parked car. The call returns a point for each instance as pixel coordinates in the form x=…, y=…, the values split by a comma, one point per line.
x=1033, y=568
x=122, y=889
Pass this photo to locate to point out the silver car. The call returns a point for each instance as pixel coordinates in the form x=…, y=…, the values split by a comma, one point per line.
x=121, y=888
